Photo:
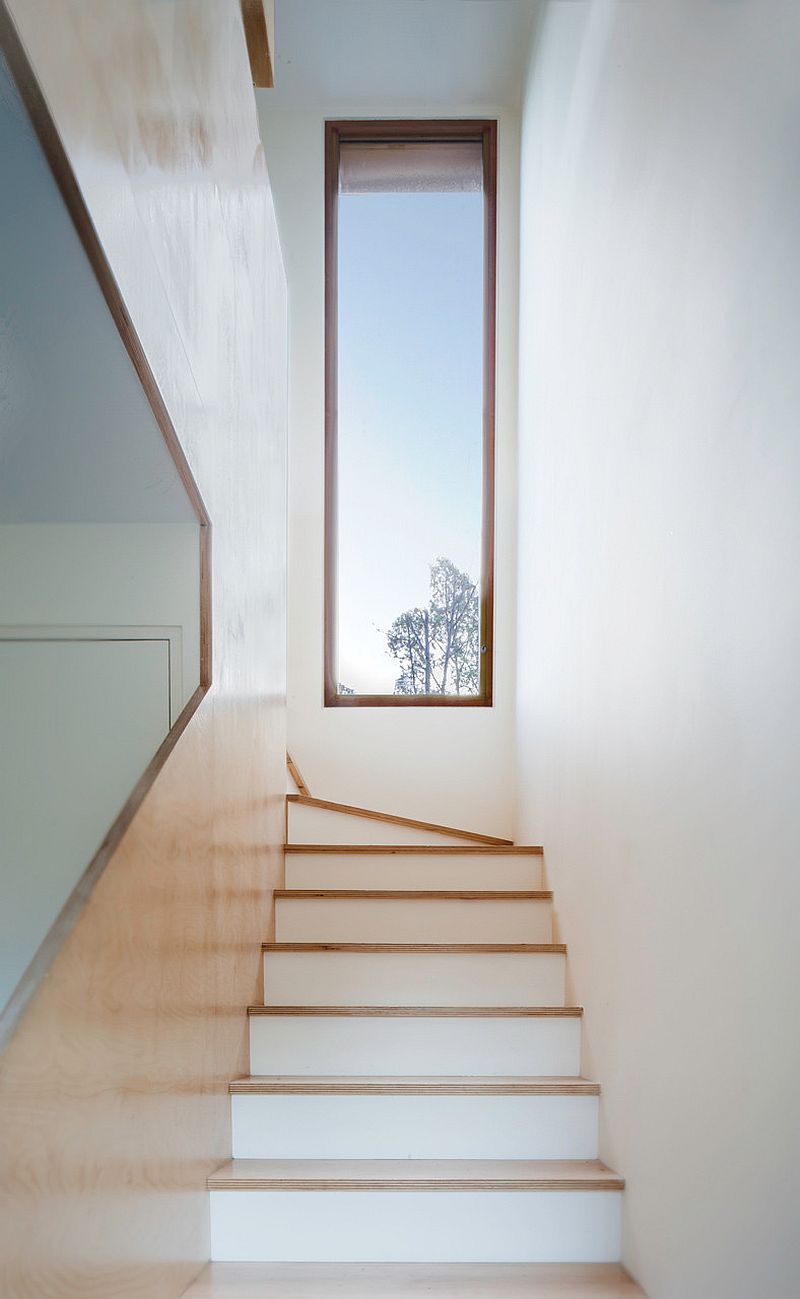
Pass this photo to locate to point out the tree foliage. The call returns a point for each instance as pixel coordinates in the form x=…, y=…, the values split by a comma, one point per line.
x=437, y=647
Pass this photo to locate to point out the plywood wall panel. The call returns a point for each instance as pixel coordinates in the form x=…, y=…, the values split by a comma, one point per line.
x=113, y=1104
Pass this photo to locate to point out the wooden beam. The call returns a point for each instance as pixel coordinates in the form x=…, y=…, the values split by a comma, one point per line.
x=258, y=17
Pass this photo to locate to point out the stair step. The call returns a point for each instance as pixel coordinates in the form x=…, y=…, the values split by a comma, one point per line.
x=466, y=948
x=415, y=1211
x=426, y=1012
x=415, y=974
x=426, y=869
x=427, y=895
x=403, y=1085
x=458, y=1118
x=320, y=820
x=434, y=915
x=411, y=850
x=415, y=1175
x=426, y=1040
x=404, y=1280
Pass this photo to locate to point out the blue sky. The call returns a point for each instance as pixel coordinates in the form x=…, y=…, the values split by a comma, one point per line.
x=410, y=410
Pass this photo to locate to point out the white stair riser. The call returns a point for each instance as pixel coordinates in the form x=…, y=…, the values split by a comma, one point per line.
x=420, y=871
x=415, y=920
x=320, y=825
x=344, y=1044
x=414, y=979
x=416, y=1226
x=414, y=1127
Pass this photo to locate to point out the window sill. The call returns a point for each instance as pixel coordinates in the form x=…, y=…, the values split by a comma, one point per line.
x=407, y=701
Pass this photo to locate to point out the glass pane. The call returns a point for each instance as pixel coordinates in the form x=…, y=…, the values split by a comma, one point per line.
x=410, y=418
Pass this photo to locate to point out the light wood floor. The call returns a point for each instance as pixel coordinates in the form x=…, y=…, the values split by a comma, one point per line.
x=407, y=1281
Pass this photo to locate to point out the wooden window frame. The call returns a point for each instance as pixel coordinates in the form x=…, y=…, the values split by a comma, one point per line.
x=411, y=130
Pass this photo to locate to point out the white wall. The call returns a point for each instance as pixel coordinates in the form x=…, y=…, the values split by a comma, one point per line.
x=105, y=575
x=659, y=606
x=450, y=765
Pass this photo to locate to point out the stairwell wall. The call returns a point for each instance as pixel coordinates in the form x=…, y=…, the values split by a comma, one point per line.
x=659, y=613
x=113, y=1092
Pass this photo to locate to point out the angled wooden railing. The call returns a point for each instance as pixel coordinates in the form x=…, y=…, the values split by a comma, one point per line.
x=294, y=772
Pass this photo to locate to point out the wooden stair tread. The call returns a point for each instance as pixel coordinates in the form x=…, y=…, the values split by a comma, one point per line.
x=404, y=1280
x=415, y=1175
x=467, y=949
x=305, y=800
x=473, y=1085
x=434, y=895
x=426, y=1012
x=413, y=849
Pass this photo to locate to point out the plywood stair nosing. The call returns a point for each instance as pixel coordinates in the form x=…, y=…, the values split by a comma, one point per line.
x=423, y=1012
x=425, y=895
x=376, y=1085
x=404, y=1280
x=464, y=949
x=415, y=849
x=414, y=1175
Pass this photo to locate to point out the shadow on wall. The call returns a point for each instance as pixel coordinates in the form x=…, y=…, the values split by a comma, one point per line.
x=102, y=542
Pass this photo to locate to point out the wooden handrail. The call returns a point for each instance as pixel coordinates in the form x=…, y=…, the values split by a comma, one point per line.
x=294, y=772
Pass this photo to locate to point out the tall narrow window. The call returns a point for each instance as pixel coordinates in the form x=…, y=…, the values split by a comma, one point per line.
x=409, y=438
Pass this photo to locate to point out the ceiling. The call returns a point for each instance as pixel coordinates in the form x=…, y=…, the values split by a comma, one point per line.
x=398, y=53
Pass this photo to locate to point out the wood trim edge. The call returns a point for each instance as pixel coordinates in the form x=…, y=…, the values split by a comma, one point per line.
x=410, y=1086
x=484, y=1184
x=462, y=949
x=330, y=682
x=417, y=1012
x=414, y=849
x=425, y=895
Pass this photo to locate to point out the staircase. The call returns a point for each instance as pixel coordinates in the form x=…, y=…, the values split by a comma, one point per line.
x=415, y=1094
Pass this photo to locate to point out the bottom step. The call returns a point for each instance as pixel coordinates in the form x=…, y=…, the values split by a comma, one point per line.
x=415, y=1211
x=402, y=1281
